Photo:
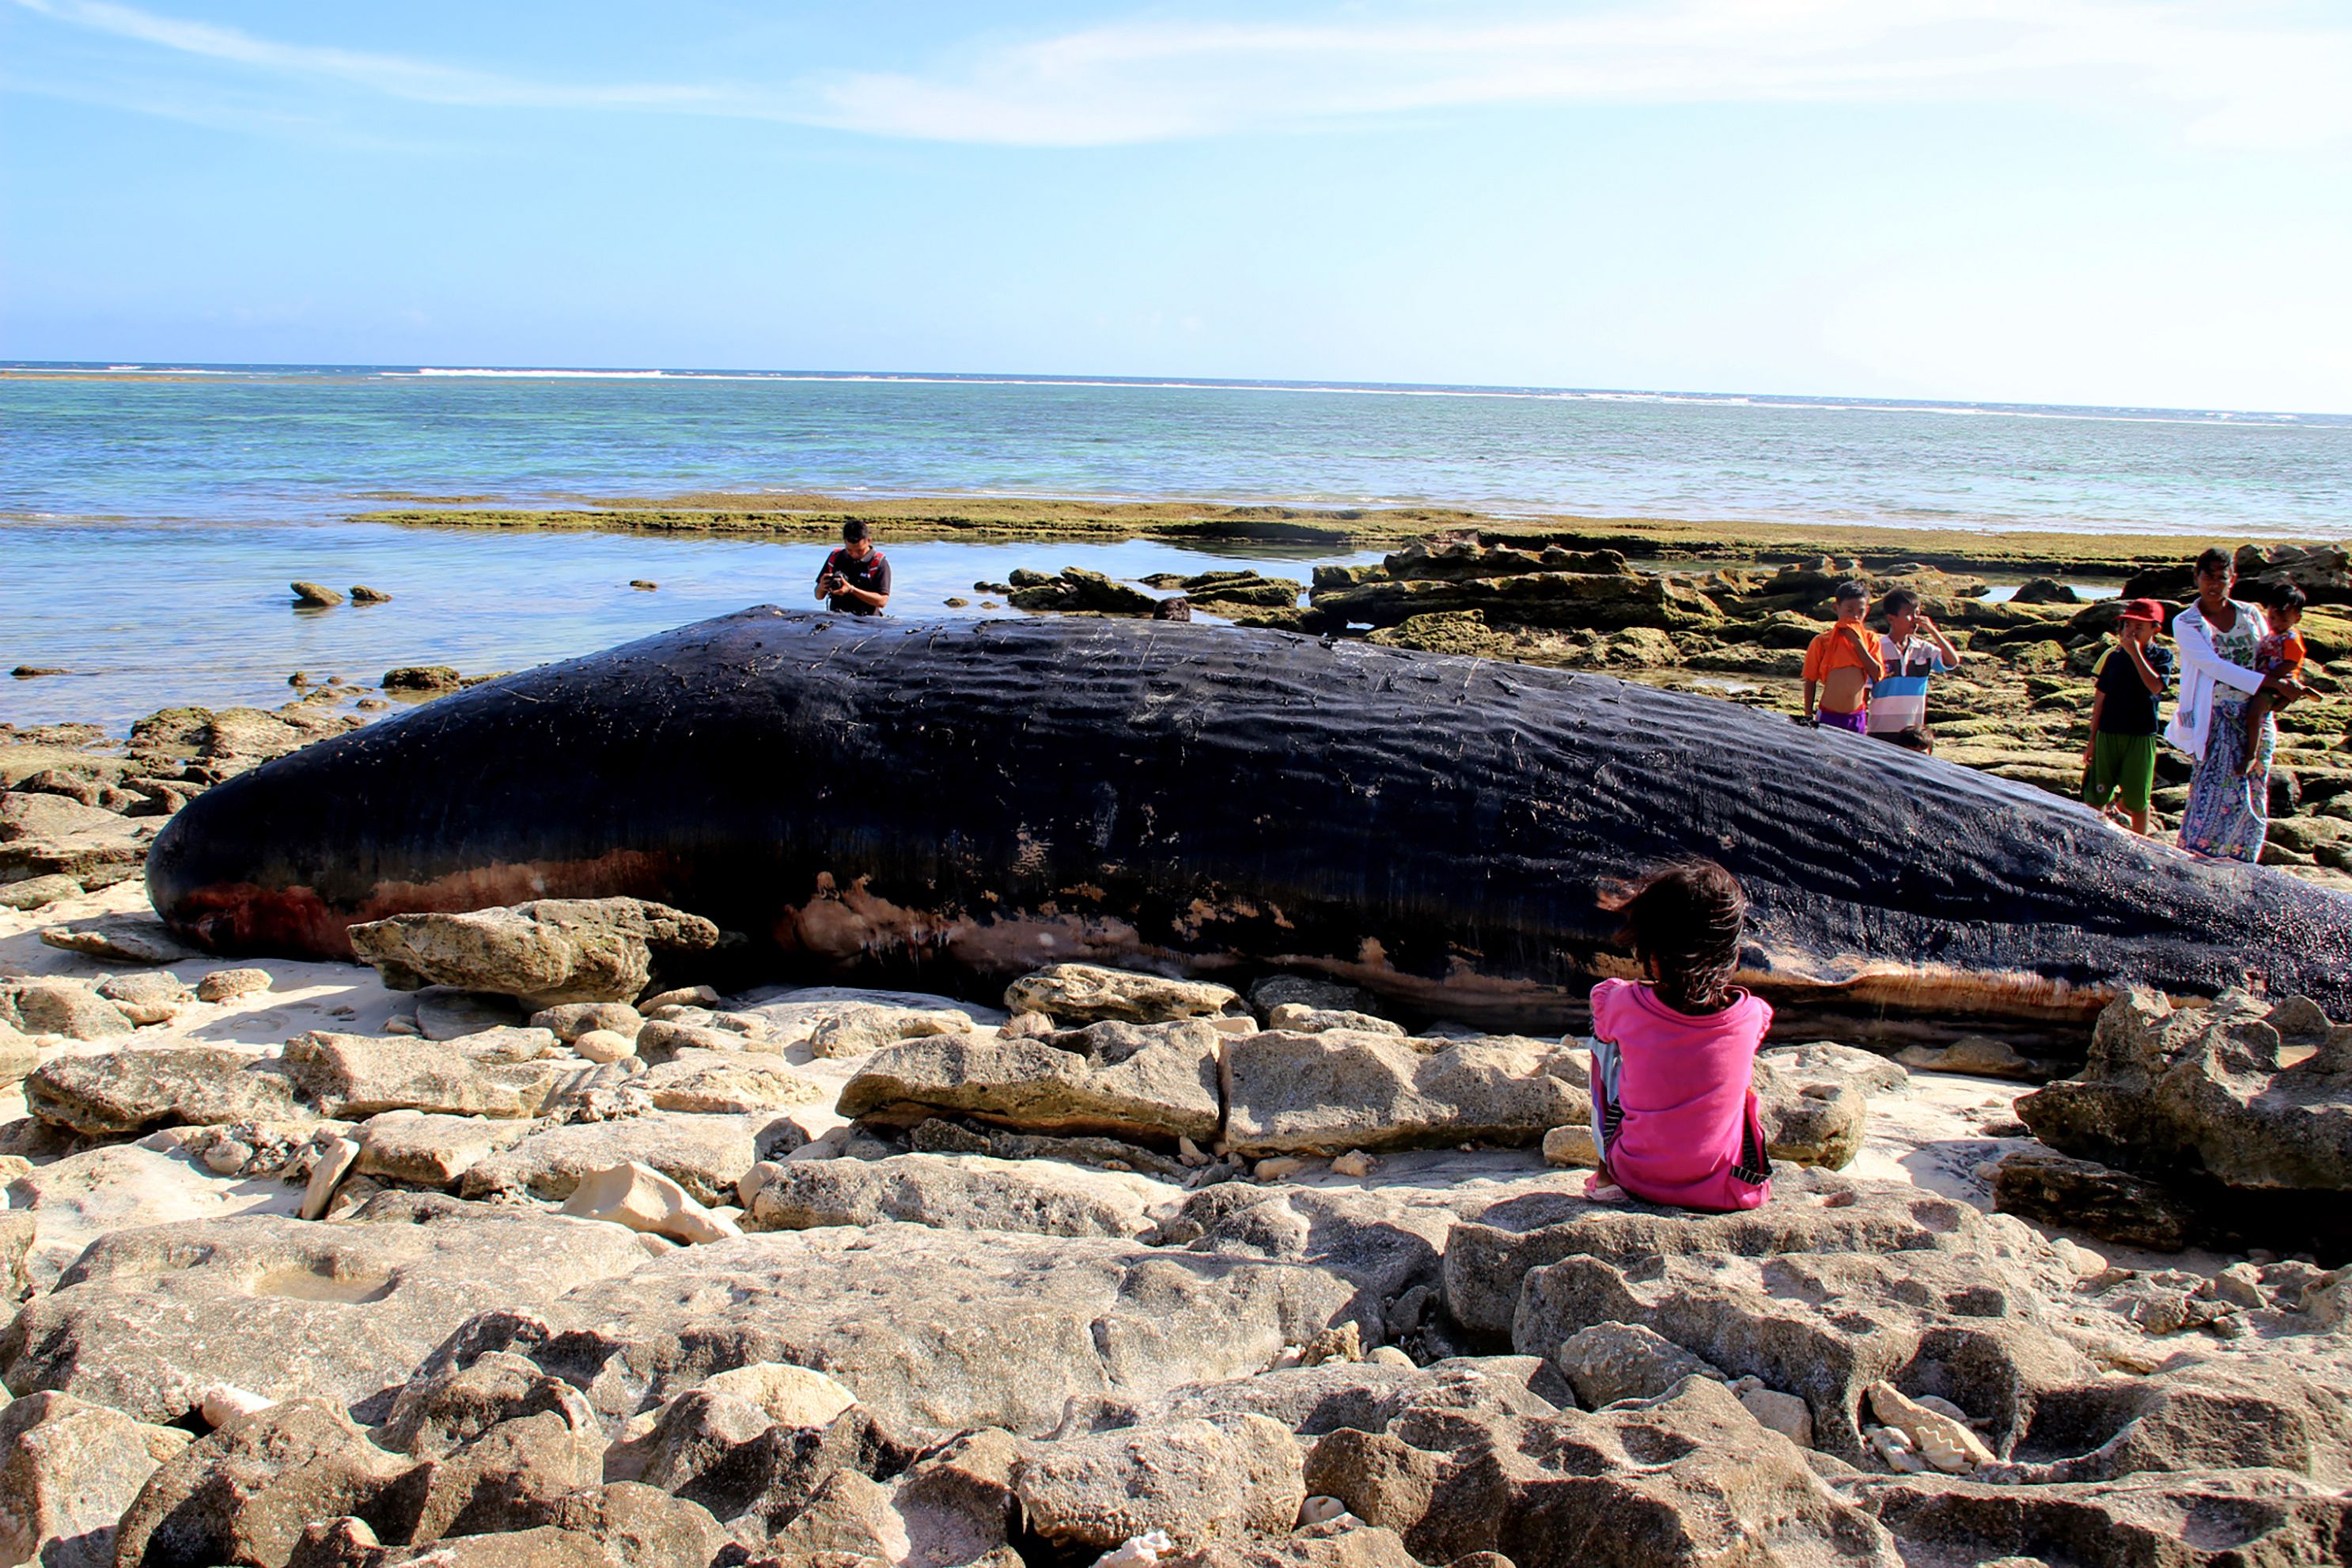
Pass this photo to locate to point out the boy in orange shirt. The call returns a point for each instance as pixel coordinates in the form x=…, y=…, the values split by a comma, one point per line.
x=2280, y=654
x=1839, y=666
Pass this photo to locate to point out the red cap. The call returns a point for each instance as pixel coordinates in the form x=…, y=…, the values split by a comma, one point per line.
x=2143, y=610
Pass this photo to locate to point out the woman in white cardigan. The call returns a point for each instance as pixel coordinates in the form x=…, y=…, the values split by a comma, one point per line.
x=2228, y=815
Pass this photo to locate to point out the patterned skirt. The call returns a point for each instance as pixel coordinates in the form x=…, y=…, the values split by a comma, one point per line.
x=2228, y=816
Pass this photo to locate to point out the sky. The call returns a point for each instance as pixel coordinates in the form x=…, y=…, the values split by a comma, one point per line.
x=2054, y=201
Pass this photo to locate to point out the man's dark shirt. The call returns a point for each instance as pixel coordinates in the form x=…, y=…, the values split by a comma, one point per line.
x=2131, y=706
x=873, y=574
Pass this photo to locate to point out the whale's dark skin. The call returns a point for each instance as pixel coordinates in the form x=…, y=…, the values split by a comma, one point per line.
x=948, y=805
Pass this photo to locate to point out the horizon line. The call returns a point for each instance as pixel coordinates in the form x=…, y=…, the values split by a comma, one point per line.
x=458, y=370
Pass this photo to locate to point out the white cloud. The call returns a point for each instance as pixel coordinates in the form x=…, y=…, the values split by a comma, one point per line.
x=2240, y=72
x=391, y=75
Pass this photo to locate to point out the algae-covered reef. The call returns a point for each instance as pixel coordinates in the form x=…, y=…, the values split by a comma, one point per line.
x=2015, y=553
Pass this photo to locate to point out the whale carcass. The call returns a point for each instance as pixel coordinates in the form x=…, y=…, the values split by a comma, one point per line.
x=953, y=803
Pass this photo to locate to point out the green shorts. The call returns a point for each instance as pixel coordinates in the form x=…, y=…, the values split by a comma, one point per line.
x=2121, y=766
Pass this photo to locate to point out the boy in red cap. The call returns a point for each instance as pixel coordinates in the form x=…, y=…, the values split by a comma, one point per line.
x=2120, y=759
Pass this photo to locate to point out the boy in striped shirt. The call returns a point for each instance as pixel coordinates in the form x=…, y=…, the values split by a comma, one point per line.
x=1913, y=648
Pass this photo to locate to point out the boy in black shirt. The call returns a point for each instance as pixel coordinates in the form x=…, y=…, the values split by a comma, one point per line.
x=2121, y=757
x=855, y=579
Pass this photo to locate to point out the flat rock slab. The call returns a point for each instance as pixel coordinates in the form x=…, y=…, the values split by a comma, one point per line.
x=1489, y=1256
x=343, y=1310
x=121, y=939
x=430, y=1150
x=927, y=1328
x=549, y=951
x=1121, y=1080
x=707, y=1155
x=952, y=1192
x=73, y=1201
x=116, y=1093
x=720, y=1083
x=1090, y=993
x=1327, y=1093
x=793, y=1013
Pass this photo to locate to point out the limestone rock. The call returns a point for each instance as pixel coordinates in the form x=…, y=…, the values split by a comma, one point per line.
x=1688, y=1479
x=1810, y=1120
x=26, y=814
x=1316, y=996
x=1572, y=1145
x=605, y=1046
x=2205, y=1088
x=858, y=1030
x=1197, y=1480
x=115, y=1093
x=787, y=1395
x=1121, y=1080
x=357, y=1076
x=413, y=1147
x=1088, y=993
x=1775, y=1411
x=1605, y=1362
x=311, y=595
x=2084, y=1195
x=38, y=892
x=950, y=1191
x=19, y=1057
x=1825, y=1061
x=145, y=999
x=245, y=1493
x=928, y=1329
x=1331, y=1093
x=549, y=951
x=2239, y=1516
x=340, y=1308
x=68, y=1469
x=227, y=985
x=645, y=1200
x=1297, y=1018
x=1826, y=1326
x=2240, y=1107
x=714, y=1085
x=574, y=1019
x=58, y=1007
x=1488, y=1254
x=120, y=939
x=1976, y=1055
x=706, y=1155
x=445, y=1406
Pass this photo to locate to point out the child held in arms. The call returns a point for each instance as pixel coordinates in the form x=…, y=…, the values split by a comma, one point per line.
x=1842, y=665
x=2282, y=654
x=1673, y=1114
x=2119, y=759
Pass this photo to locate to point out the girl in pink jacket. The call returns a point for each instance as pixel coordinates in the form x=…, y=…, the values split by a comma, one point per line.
x=1674, y=1114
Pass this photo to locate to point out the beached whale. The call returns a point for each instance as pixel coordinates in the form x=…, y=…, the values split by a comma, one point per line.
x=947, y=803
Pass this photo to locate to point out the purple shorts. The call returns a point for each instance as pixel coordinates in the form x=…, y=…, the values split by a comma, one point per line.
x=1858, y=721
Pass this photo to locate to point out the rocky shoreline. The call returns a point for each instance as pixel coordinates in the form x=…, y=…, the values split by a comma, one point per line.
x=518, y=1243
x=512, y=1247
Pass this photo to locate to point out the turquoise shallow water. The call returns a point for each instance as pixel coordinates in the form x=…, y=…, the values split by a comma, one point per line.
x=149, y=523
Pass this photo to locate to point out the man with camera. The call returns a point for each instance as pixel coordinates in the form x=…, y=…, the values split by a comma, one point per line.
x=855, y=579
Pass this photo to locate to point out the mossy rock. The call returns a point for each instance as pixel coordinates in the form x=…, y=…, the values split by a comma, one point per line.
x=2041, y=656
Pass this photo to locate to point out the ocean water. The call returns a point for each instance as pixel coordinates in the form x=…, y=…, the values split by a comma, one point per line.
x=151, y=517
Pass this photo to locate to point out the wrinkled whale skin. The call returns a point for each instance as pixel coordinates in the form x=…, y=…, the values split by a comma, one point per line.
x=933, y=802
